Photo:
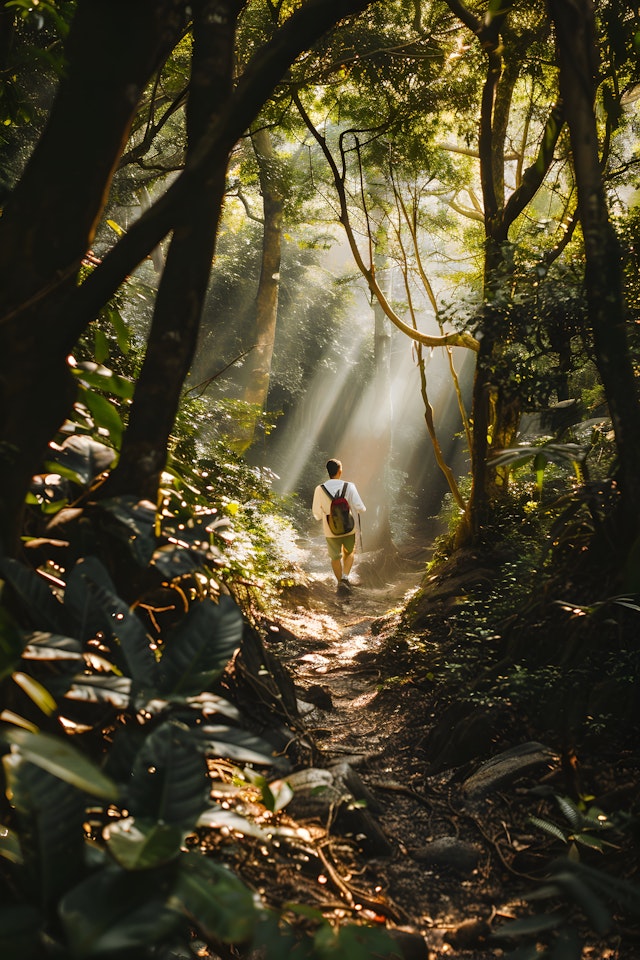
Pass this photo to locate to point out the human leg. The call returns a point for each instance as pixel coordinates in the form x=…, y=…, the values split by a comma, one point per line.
x=348, y=552
x=334, y=547
x=341, y=553
x=347, y=561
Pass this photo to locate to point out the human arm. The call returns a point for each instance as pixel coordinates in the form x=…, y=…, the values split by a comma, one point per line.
x=354, y=498
x=317, y=507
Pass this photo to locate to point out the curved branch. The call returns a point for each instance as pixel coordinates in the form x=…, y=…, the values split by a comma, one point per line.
x=264, y=71
x=552, y=255
x=536, y=172
x=450, y=339
x=153, y=129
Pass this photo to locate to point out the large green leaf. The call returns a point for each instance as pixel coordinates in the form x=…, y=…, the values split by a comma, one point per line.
x=11, y=643
x=221, y=740
x=113, y=911
x=50, y=817
x=217, y=818
x=100, y=689
x=120, y=328
x=175, y=560
x=193, y=533
x=611, y=888
x=81, y=458
x=169, y=779
x=36, y=692
x=136, y=525
x=211, y=704
x=36, y=596
x=576, y=889
x=140, y=844
x=126, y=744
x=105, y=414
x=214, y=899
x=52, y=646
x=100, y=377
x=62, y=760
x=108, y=612
x=80, y=602
x=200, y=647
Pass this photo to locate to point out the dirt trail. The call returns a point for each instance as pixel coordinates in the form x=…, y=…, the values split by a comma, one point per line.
x=373, y=722
x=339, y=639
x=436, y=868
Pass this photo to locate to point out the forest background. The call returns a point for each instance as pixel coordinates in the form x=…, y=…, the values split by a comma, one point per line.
x=236, y=238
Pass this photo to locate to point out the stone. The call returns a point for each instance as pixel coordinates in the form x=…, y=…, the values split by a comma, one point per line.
x=411, y=943
x=509, y=766
x=457, y=855
x=334, y=797
x=469, y=934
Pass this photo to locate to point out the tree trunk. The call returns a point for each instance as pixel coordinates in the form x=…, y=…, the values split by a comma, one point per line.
x=257, y=370
x=176, y=320
x=575, y=39
x=496, y=410
x=7, y=35
x=379, y=442
x=49, y=220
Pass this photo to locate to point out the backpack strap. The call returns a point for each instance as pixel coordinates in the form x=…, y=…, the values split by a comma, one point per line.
x=333, y=496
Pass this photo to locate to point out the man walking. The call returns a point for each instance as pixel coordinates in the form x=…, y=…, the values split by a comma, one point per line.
x=341, y=547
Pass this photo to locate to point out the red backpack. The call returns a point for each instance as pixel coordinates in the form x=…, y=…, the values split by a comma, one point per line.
x=339, y=518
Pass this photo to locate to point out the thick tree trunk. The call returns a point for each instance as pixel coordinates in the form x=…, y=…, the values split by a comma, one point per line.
x=575, y=38
x=176, y=319
x=49, y=220
x=257, y=370
x=496, y=410
x=48, y=223
x=7, y=34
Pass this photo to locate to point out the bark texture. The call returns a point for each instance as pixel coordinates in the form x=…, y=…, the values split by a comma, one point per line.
x=257, y=369
x=176, y=319
x=577, y=57
x=49, y=220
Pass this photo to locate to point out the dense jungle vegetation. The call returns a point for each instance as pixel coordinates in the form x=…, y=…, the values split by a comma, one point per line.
x=225, y=225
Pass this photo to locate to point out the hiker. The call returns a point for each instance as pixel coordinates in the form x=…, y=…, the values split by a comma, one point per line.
x=337, y=516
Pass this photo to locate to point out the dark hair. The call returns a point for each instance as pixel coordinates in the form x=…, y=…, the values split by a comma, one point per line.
x=333, y=466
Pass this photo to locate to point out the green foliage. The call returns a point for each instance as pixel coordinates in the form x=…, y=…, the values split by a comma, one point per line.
x=571, y=454
x=118, y=636
x=147, y=786
x=579, y=894
x=585, y=826
x=32, y=62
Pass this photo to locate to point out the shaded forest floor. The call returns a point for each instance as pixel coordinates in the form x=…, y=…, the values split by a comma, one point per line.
x=443, y=856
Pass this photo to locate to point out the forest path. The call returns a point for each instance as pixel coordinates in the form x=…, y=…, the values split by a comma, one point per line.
x=341, y=657
x=339, y=638
x=441, y=857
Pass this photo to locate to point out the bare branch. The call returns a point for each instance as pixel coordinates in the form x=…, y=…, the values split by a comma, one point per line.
x=368, y=272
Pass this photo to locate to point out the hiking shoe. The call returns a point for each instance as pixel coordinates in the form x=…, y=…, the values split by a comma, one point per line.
x=345, y=583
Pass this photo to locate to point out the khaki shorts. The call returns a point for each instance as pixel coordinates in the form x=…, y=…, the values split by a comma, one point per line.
x=335, y=545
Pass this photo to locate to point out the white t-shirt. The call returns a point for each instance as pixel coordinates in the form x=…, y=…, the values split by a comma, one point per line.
x=322, y=503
